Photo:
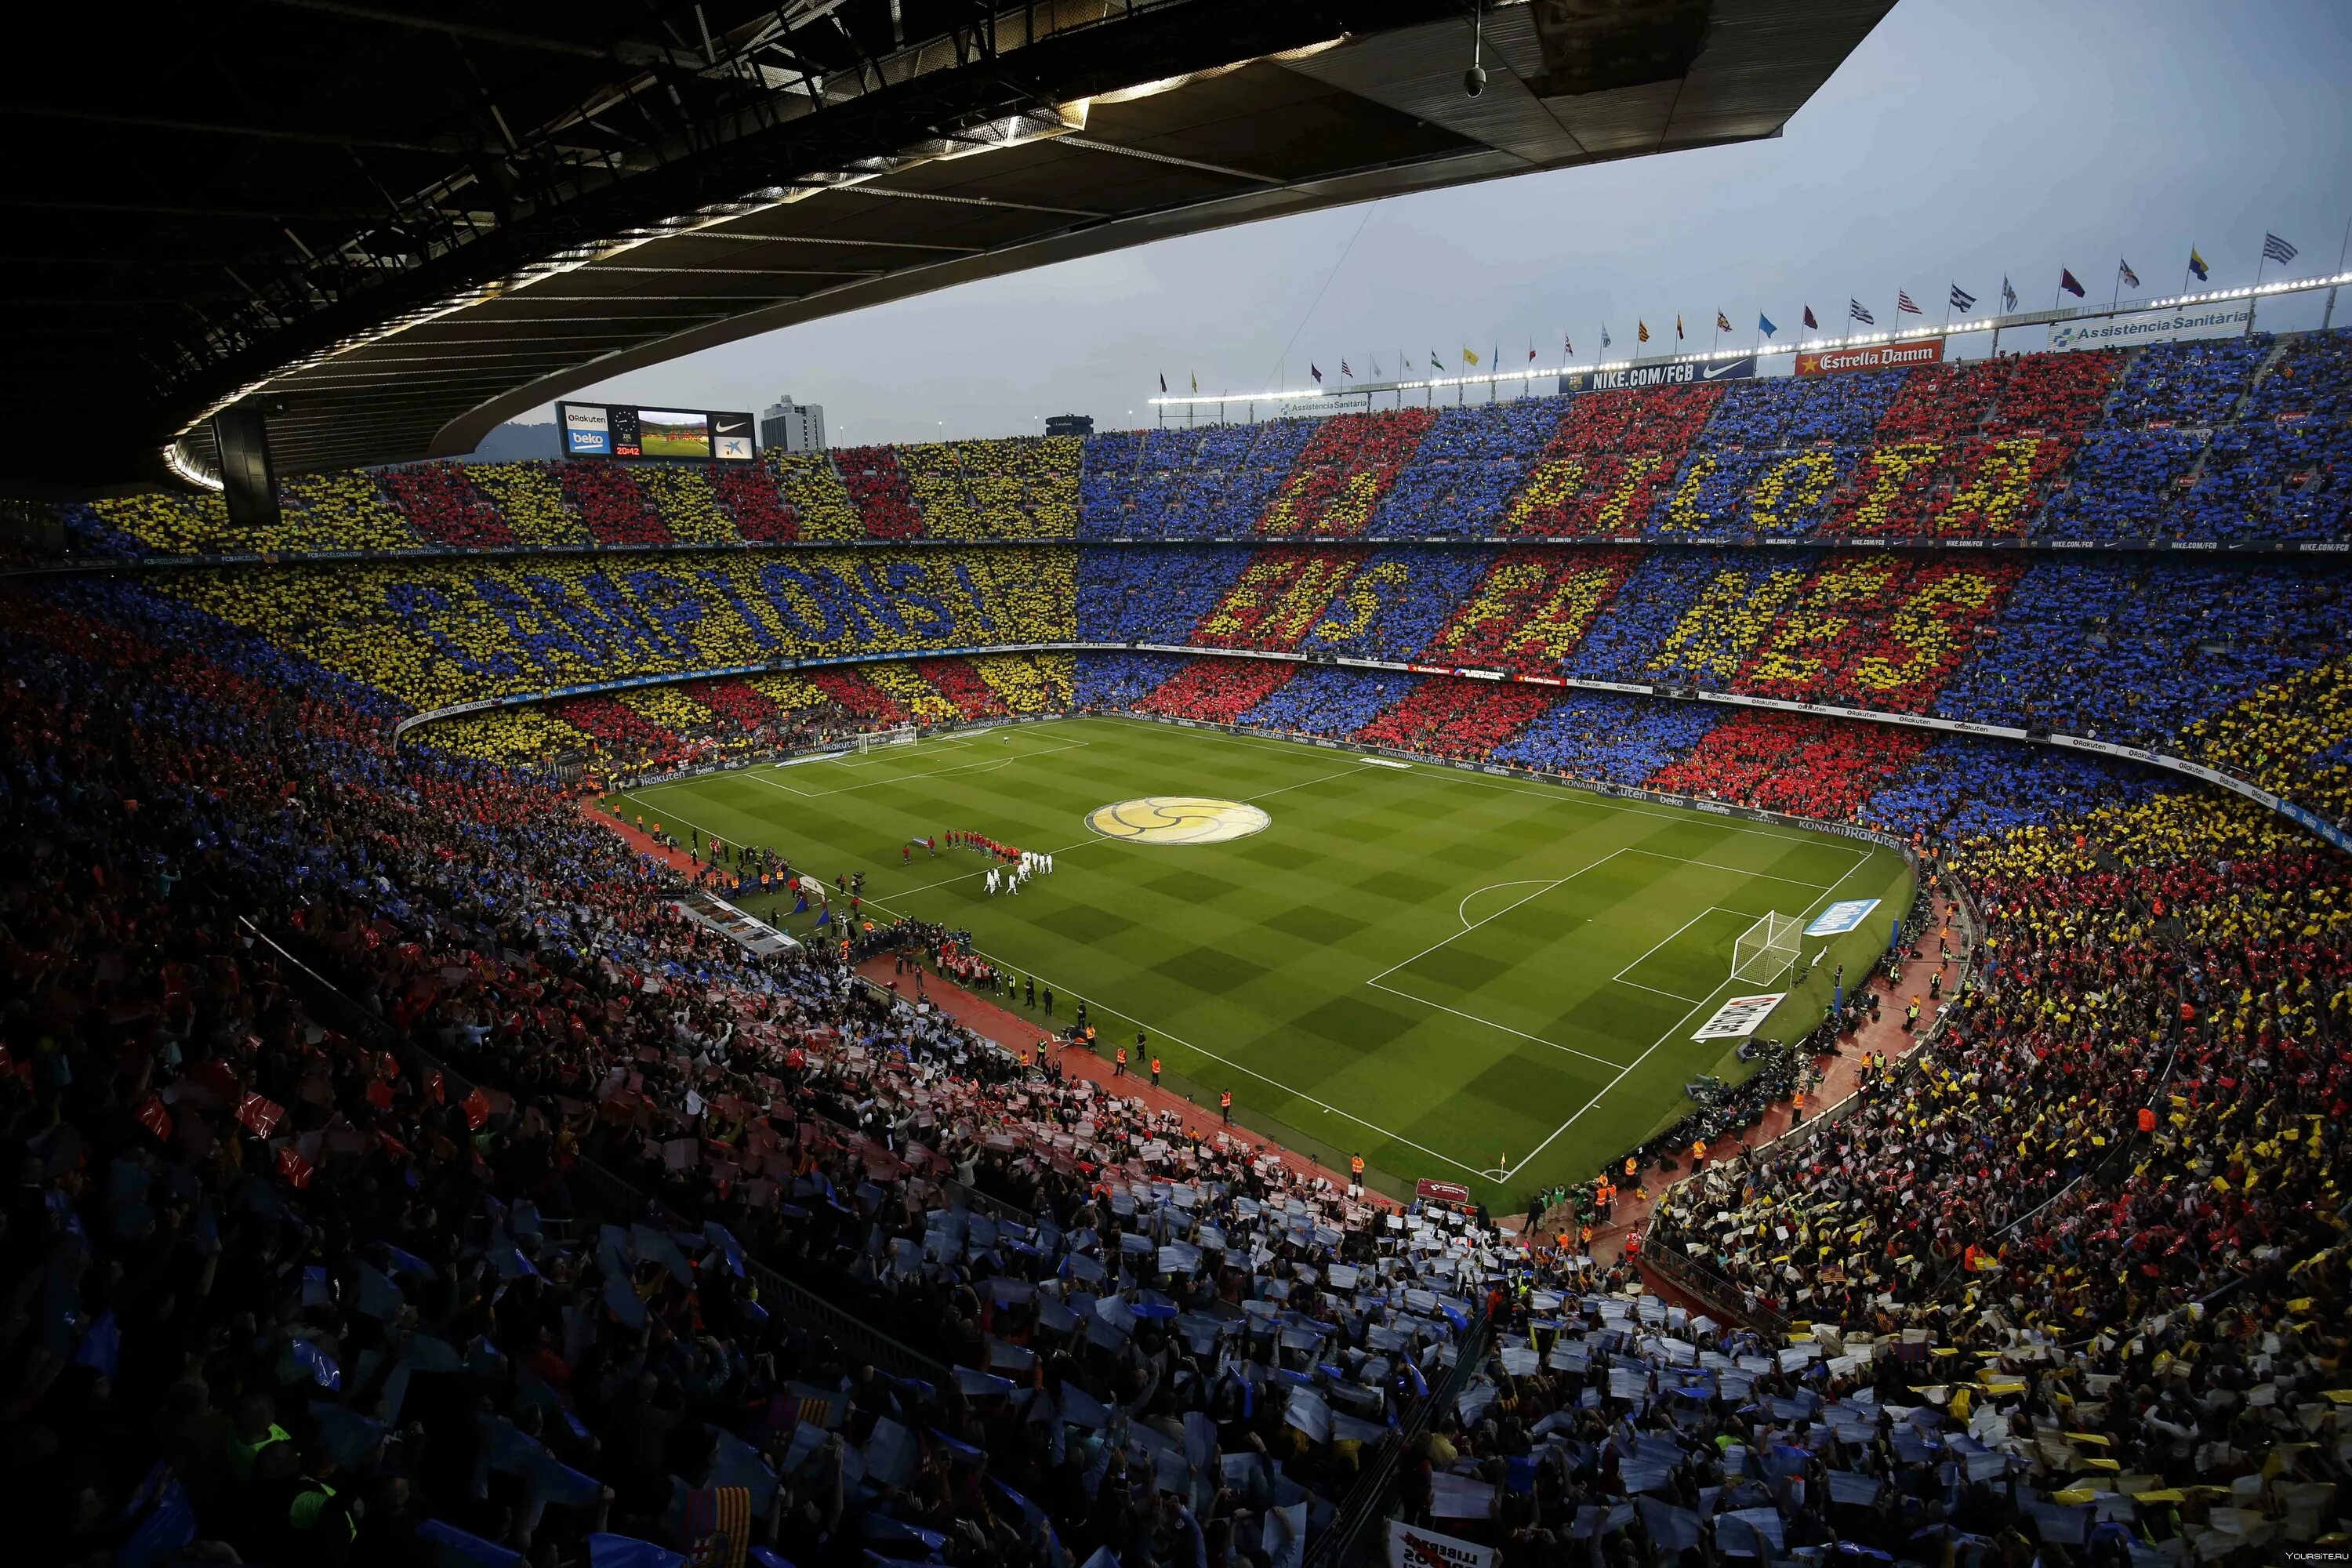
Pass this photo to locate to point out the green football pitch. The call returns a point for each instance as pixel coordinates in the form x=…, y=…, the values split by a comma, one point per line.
x=1474, y=978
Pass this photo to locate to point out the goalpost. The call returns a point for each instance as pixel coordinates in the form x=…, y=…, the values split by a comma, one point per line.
x=1767, y=950
x=873, y=740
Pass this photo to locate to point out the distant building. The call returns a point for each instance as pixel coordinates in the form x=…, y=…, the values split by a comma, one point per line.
x=792, y=427
x=1070, y=425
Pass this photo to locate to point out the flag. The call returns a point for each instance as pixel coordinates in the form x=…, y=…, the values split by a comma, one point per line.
x=1679, y=326
x=2069, y=282
x=2276, y=249
x=1604, y=334
x=1722, y=322
x=2123, y=271
x=1435, y=363
x=2197, y=265
x=1196, y=381
x=1313, y=371
x=1164, y=383
x=1854, y=312
x=1809, y=318
x=1641, y=330
x=1567, y=346
x=1469, y=355
x=1962, y=300
x=1376, y=367
x=1346, y=371
x=1905, y=304
x=1531, y=353
x=1764, y=324
x=2008, y=294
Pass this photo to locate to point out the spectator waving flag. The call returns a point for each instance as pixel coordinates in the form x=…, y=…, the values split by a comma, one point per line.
x=2197, y=265
x=1816, y=326
x=2008, y=294
x=2276, y=249
x=1764, y=324
x=2069, y=282
x=1854, y=312
x=1905, y=304
x=2124, y=273
x=1962, y=300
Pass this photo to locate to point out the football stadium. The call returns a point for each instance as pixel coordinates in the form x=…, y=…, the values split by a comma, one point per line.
x=1712, y=944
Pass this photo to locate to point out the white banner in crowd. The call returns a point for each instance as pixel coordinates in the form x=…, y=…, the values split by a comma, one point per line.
x=1739, y=1017
x=1410, y=1546
x=2223, y=319
x=1841, y=917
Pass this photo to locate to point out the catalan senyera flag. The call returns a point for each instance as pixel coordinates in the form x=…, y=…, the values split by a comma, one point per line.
x=1641, y=330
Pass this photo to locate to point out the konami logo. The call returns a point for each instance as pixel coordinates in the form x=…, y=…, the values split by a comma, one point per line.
x=1871, y=356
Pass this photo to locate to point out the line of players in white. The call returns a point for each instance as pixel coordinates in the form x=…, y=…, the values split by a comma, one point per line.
x=1007, y=879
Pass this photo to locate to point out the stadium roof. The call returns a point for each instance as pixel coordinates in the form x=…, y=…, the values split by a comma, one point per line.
x=392, y=225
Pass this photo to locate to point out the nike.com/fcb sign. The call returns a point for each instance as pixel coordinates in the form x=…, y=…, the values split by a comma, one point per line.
x=1637, y=376
x=1869, y=356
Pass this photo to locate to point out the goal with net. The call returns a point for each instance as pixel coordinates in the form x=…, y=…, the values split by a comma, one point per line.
x=1767, y=950
x=874, y=740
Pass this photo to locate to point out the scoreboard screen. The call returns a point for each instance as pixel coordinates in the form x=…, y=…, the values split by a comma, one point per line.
x=618, y=430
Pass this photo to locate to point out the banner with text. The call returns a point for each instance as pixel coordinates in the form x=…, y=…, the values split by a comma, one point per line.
x=1869, y=356
x=2227, y=319
x=1410, y=1546
x=1739, y=1017
x=1634, y=377
x=1841, y=917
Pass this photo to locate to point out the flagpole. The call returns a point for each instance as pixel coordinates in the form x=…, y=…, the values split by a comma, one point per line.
x=2116, y=298
x=2342, y=251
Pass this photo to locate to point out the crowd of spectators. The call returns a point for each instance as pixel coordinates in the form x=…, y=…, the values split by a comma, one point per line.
x=1343, y=471
x=433, y=633
x=2222, y=440
x=507, y=1258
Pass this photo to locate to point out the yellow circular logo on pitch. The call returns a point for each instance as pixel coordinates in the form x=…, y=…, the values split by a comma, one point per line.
x=1178, y=819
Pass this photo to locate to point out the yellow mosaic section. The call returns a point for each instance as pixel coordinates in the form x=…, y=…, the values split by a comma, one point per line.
x=1822, y=615
x=440, y=632
x=788, y=691
x=503, y=734
x=1730, y=618
x=667, y=706
x=1031, y=682
x=684, y=497
x=532, y=502
x=912, y=692
x=2271, y=738
x=317, y=512
x=811, y=483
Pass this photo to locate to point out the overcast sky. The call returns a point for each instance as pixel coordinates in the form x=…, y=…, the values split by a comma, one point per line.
x=1964, y=140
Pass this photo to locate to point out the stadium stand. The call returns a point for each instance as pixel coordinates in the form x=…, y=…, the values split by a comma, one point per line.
x=402, y=1177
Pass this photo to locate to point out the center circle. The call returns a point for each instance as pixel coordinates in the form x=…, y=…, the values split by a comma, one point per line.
x=1178, y=819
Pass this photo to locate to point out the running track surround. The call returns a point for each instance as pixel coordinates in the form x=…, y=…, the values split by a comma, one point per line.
x=1178, y=819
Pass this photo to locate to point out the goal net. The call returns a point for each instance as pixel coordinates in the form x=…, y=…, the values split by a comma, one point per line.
x=874, y=740
x=1767, y=950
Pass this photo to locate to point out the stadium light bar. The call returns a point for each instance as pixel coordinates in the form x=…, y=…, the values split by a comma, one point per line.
x=189, y=472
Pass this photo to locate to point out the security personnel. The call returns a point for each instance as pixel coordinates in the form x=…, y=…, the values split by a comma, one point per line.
x=1155, y=1072
x=1355, y=1175
x=1121, y=1070
x=1226, y=1105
